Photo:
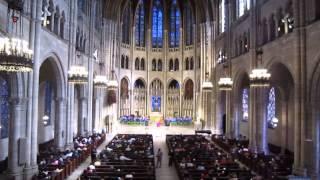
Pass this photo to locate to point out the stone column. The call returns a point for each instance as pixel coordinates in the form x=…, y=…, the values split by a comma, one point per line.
x=15, y=168
x=252, y=120
x=29, y=170
x=96, y=120
x=229, y=128
x=60, y=129
x=82, y=122
x=71, y=59
x=258, y=120
x=36, y=71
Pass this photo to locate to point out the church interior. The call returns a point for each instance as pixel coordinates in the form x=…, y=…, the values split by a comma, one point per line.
x=159, y=89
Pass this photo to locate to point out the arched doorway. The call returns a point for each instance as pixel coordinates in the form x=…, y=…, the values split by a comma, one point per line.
x=188, y=97
x=51, y=103
x=124, y=97
x=156, y=95
x=242, y=105
x=139, y=98
x=280, y=108
x=173, y=99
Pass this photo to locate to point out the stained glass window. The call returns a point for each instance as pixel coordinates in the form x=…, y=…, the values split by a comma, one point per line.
x=174, y=25
x=48, y=101
x=157, y=25
x=4, y=108
x=271, y=108
x=245, y=104
x=243, y=6
x=140, y=26
x=188, y=24
x=222, y=16
x=126, y=25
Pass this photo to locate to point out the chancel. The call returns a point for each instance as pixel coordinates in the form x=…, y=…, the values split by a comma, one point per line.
x=159, y=89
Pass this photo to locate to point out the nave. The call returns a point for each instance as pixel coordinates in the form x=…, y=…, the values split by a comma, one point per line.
x=196, y=156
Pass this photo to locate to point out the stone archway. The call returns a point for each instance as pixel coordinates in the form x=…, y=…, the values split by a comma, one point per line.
x=139, y=97
x=283, y=83
x=173, y=104
x=51, y=102
x=124, y=97
x=241, y=107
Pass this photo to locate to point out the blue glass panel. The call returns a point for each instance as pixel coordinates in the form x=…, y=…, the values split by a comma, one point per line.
x=271, y=108
x=4, y=108
x=156, y=103
x=157, y=25
x=174, y=34
x=140, y=29
x=245, y=104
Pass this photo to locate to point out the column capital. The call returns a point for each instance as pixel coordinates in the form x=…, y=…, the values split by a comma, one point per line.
x=61, y=100
x=18, y=100
x=83, y=98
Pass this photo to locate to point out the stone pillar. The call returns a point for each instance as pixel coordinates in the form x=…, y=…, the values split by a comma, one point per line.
x=252, y=120
x=29, y=170
x=60, y=129
x=97, y=119
x=229, y=128
x=82, y=122
x=15, y=168
x=35, y=93
x=73, y=9
x=258, y=119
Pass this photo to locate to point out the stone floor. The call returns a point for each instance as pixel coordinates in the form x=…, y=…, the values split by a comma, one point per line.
x=159, y=139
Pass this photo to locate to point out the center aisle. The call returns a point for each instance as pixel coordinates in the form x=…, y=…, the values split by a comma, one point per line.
x=159, y=140
x=165, y=172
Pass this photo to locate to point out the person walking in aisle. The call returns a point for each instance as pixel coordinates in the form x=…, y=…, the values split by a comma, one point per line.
x=170, y=158
x=159, y=158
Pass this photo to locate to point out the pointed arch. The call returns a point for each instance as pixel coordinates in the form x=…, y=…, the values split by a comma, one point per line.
x=142, y=64
x=159, y=65
x=154, y=65
x=137, y=64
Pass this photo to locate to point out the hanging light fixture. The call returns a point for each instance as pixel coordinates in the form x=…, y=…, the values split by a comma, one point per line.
x=225, y=84
x=77, y=75
x=112, y=83
x=100, y=81
x=15, y=55
x=207, y=85
x=259, y=78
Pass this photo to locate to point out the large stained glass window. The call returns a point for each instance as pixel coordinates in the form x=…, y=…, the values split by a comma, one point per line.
x=157, y=25
x=48, y=102
x=140, y=25
x=126, y=25
x=4, y=108
x=271, y=109
x=243, y=6
x=174, y=25
x=188, y=24
x=245, y=104
x=222, y=16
